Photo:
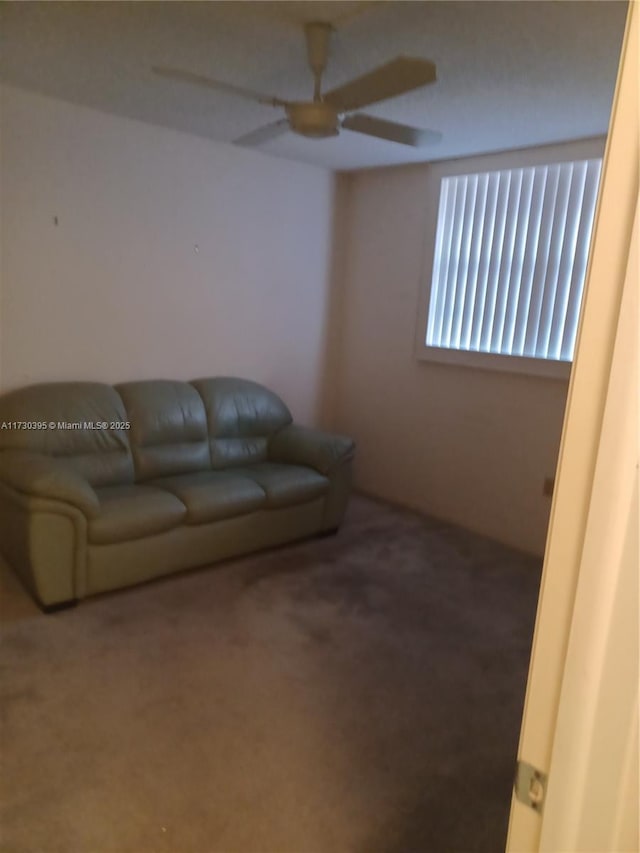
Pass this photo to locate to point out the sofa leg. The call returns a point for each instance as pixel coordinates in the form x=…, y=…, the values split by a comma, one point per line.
x=59, y=605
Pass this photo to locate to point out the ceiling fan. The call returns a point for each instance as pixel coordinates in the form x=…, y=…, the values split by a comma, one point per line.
x=327, y=112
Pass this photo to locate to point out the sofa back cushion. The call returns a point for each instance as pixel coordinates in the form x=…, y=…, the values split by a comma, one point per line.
x=168, y=428
x=74, y=421
x=241, y=416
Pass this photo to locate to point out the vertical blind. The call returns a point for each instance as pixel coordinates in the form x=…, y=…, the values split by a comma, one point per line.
x=510, y=259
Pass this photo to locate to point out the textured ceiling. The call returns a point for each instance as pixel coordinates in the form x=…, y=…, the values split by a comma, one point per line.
x=510, y=74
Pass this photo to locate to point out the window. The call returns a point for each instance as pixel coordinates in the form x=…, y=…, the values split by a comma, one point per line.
x=510, y=260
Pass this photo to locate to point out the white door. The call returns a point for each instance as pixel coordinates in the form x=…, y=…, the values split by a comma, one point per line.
x=580, y=719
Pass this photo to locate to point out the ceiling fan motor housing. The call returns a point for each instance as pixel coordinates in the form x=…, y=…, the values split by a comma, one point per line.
x=314, y=118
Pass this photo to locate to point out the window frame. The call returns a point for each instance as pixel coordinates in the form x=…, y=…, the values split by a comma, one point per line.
x=516, y=159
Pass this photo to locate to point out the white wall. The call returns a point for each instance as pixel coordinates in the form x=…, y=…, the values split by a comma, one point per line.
x=116, y=290
x=466, y=445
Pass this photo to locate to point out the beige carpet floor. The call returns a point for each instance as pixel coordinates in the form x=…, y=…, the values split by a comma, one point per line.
x=352, y=694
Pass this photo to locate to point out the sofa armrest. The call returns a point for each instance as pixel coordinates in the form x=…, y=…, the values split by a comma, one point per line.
x=297, y=445
x=47, y=477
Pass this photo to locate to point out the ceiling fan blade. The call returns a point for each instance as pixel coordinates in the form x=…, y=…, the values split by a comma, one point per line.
x=264, y=134
x=216, y=85
x=390, y=130
x=394, y=78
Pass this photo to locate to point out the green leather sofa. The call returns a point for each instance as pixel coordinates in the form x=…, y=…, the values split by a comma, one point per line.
x=102, y=487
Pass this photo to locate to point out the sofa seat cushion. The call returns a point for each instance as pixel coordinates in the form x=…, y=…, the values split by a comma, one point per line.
x=213, y=495
x=286, y=484
x=134, y=511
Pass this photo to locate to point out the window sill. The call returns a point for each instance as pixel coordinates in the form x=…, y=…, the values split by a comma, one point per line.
x=490, y=361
